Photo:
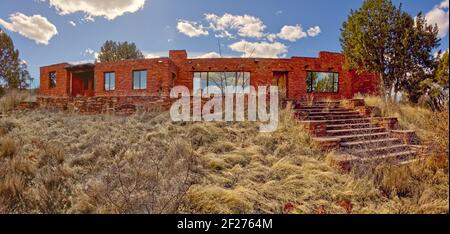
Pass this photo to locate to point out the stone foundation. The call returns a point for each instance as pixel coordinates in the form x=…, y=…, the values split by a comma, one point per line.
x=103, y=105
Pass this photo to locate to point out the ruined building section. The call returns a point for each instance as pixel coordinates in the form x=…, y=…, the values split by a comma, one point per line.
x=146, y=83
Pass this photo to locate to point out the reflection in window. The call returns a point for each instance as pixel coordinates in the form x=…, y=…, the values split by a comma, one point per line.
x=322, y=82
x=226, y=82
x=52, y=79
x=140, y=79
x=110, y=81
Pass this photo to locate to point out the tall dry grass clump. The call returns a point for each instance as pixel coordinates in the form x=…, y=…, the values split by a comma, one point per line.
x=63, y=163
x=424, y=182
x=280, y=172
x=54, y=162
x=11, y=99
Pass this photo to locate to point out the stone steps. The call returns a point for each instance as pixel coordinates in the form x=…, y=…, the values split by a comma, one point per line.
x=347, y=121
x=350, y=126
x=357, y=138
x=380, y=150
x=308, y=110
x=327, y=113
x=371, y=143
x=334, y=117
x=367, y=136
x=393, y=158
x=354, y=131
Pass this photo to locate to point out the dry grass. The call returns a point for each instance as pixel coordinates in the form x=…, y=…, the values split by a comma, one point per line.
x=61, y=163
x=12, y=98
x=65, y=163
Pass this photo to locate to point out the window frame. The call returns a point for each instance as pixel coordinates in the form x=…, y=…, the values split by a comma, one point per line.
x=52, y=84
x=140, y=79
x=109, y=81
x=238, y=76
x=310, y=87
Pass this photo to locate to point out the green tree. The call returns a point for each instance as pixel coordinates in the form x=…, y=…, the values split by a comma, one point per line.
x=112, y=51
x=442, y=71
x=13, y=71
x=381, y=38
x=433, y=91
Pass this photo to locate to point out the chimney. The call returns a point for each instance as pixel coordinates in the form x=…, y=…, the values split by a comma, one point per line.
x=178, y=55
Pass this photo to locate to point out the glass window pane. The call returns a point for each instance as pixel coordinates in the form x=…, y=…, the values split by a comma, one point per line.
x=143, y=80
x=230, y=82
x=135, y=80
x=197, y=82
x=216, y=79
x=109, y=80
x=112, y=81
x=52, y=79
x=322, y=82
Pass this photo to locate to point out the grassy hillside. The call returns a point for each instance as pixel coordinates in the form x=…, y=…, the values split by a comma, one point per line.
x=66, y=163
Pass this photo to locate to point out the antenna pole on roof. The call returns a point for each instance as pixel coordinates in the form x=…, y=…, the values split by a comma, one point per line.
x=220, y=47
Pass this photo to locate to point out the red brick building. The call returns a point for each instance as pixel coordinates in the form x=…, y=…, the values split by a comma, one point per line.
x=298, y=77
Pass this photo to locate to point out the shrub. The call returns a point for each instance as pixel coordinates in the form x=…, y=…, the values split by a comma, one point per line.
x=11, y=99
x=7, y=147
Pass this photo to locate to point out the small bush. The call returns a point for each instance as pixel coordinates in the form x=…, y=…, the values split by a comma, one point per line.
x=7, y=147
x=11, y=99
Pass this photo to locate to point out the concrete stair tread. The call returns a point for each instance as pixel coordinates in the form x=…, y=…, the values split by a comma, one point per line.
x=374, y=149
x=349, y=126
x=354, y=130
x=364, y=135
x=388, y=156
x=356, y=143
x=338, y=120
x=348, y=116
x=328, y=112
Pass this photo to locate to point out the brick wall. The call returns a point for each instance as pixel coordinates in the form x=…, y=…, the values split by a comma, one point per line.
x=159, y=77
x=178, y=69
x=262, y=72
x=62, y=81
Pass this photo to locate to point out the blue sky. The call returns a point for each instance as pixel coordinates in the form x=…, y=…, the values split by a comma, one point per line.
x=53, y=31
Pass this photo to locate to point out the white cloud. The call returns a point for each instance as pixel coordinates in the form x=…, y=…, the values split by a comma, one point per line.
x=109, y=9
x=72, y=23
x=279, y=12
x=259, y=49
x=439, y=15
x=314, y=31
x=191, y=29
x=151, y=55
x=91, y=52
x=35, y=27
x=292, y=33
x=209, y=55
x=245, y=25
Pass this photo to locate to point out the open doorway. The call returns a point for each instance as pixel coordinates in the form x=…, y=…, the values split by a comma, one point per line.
x=82, y=80
x=280, y=79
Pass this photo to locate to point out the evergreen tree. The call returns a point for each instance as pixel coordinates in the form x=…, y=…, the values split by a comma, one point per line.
x=13, y=71
x=112, y=51
x=381, y=38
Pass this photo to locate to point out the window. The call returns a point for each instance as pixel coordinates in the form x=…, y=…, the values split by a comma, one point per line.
x=322, y=82
x=227, y=82
x=140, y=79
x=52, y=79
x=110, y=81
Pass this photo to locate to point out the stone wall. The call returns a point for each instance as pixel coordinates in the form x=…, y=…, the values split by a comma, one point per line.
x=102, y=105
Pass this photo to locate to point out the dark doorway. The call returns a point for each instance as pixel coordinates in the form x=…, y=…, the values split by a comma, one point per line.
x=82, y=81
x=280, y=79
x=83, y=84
